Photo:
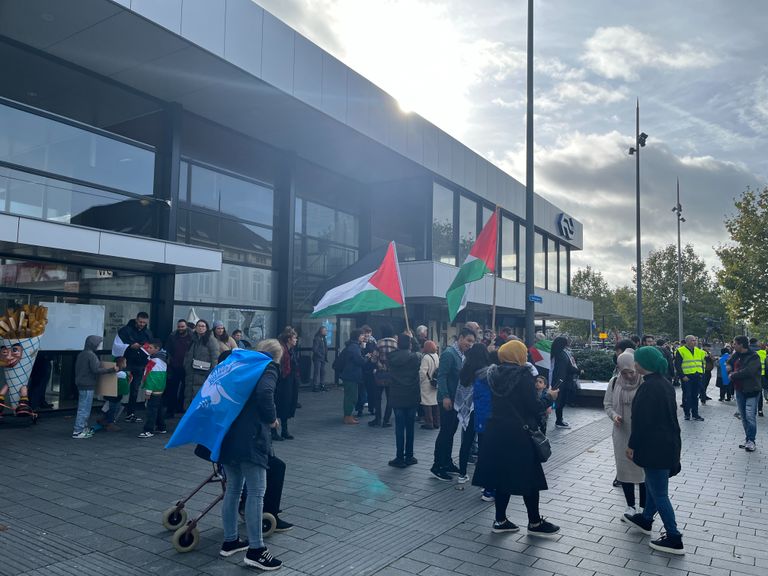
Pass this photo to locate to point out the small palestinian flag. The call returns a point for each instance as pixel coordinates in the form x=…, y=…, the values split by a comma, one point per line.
x=540, y=353
x=376, y=286
x=480, y=261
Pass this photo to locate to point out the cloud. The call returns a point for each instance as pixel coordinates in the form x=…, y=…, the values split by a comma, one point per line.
x=621, y=51
x=592, y=177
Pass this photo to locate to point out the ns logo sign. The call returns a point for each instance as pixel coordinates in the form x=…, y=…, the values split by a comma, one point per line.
x=566, y=226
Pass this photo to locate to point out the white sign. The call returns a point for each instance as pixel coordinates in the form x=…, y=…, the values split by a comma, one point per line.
x=70, y=324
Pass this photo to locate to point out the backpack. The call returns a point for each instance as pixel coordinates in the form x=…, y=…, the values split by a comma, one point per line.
x=340, y=361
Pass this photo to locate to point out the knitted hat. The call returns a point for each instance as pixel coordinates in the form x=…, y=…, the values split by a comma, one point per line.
x=218, y=324
x=513, y=352
x=651, y=359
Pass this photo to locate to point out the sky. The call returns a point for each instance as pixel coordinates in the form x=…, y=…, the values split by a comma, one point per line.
x=698, y=67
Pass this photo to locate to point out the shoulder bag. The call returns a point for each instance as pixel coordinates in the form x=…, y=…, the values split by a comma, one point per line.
x=541, y=446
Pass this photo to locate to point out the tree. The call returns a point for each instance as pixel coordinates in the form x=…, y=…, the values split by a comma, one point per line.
x=703, y=306
x=625, y=307
x=744, y=275
x=589, y=284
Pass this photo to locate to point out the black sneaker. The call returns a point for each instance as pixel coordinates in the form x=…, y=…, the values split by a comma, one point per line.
x=452, y=469
x=669, y=544
x=411, y=461
x=233, y=547
x=282, y=525
x=638, y=521
x=262, y=558
x=505, y=526
x=759, y=412
x=698, y=418
x=562, y=424
x=286, y=436
x=440, y=474
x=386, y=425
x=616, y=483
x=544, y=529
x=374, y=423
x=687, y=417
x=397, y=463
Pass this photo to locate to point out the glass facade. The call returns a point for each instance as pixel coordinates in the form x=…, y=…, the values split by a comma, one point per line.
x=521, y=253
x=563, y=259
x=552, y=263
x=443, y=247
x=508, y=250
x=539, y=261
x=467, y=226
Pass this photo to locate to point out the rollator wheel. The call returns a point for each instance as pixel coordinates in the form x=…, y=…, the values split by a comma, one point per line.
x=174, y=517
x=186, y=540
x=268, y=524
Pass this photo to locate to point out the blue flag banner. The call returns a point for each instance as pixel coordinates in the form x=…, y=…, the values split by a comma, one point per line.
x=220, y=400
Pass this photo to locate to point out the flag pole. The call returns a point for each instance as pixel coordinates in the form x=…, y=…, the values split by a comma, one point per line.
x=402, y=290
x=405, y=313
x=495, y=272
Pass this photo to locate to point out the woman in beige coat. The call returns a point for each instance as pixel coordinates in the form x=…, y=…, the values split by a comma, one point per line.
x=427, y=375
x=618, y=406
x=224, y=340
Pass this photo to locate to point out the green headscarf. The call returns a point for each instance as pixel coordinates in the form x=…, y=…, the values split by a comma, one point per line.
x=650, y=358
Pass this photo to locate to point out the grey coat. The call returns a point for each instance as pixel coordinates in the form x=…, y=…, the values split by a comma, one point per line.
x=88, y=367
x=626, y=470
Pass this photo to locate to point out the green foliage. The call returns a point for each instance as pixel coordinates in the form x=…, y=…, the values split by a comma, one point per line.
x=744, y=275
x=588, y=284
x=597, y=364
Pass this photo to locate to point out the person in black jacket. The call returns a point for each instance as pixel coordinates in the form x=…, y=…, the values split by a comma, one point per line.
x=744, y=370
x=135, y=334
x=404, y=397
x=563, y=377
x=352, y=373
x=507, y=462
x=319, y=358
x=245, y=453
x=654, y=445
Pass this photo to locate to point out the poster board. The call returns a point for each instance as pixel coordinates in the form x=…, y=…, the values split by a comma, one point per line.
x=107, y=385
x=70, y=324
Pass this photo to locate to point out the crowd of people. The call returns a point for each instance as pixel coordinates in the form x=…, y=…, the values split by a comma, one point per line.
x=482, y=385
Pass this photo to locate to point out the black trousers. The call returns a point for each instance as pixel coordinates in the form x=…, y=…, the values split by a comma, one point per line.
x=376, y=401
x=467, y=438
x=562, y=400
x=531, y=506
x=137, y=374
x=449, y=423
x=173, y=397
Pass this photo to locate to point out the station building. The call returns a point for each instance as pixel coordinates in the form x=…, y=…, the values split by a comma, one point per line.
x=200, y=157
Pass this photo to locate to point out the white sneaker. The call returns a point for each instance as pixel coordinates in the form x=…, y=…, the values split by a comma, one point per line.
x=146, y=435
x=463, y=479
x=87, y=433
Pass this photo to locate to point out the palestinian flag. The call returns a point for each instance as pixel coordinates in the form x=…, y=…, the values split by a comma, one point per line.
x=540, y=353
x=480, y=261
x=376, y=285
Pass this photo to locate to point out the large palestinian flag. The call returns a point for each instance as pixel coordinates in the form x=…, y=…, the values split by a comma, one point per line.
x=480, y=261
x=375, y=286
x=540, y=353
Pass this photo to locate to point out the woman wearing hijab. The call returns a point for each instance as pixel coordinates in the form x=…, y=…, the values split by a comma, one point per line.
x=618, y=406
x=563, y=376
x=654, y=445
x=508, y=462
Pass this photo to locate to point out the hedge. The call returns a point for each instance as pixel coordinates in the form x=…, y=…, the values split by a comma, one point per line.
x=597, y=364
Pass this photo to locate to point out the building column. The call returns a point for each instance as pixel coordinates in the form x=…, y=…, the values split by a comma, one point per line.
x=283, y=241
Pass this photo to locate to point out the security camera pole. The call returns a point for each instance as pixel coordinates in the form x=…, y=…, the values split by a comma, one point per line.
x=529, y=222
x=640, y=138
x=679, y=210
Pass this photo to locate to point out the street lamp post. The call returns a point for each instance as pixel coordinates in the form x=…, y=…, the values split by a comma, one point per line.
x=678, y=209
x=529, y=217
x=640, y=138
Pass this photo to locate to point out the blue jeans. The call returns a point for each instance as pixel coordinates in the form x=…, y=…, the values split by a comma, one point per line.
x=405, y=419
x=691, y=389
x=256, y=477
x=748, y=410
x=657, y=499
x=84, y=403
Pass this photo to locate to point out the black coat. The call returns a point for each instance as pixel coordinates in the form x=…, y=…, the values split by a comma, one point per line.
x=353, y=363
x=507, y=461
x=287, y=390
x=564, y=373
x=655, y=436
x=404, y=389
x=248, y=439
x=130, y=334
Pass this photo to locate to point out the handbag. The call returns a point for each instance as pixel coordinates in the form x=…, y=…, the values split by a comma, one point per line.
x=200, y=365
x=541, y=445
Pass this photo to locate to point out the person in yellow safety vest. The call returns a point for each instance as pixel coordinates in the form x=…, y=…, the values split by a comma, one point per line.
x=762, y=354
x=689, y=363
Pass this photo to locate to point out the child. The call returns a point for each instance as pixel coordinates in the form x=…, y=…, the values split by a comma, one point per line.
x=546, y=397
x=154, y=386
x=88, y=368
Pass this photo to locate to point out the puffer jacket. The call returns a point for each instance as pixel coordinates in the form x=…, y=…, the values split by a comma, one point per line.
x=88, y=367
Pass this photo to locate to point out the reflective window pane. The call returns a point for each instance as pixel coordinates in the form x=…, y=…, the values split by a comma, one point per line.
x=204, y=191
x=256, y=324
x=508, y=254
x=552, y=262
x=321, y=220
x=521, y=254
x=467, y=226
x=43, y=144
x=234, y=284
x=184, y=182
x=563, y=289
x=246, y=243
x=442, y=225
x=246, y=200
x=539, y=262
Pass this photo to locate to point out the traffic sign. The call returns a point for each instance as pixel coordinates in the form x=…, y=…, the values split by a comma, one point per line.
x=535, y=298
x=603, y=336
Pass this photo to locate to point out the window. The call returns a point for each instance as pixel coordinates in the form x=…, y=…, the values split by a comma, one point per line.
x=539, y=262
x=54, y=147
x=508, y=253
x=442, y=225
x=256, y=324
x=467, y=226
x=232, y=196
x=563, y=288
x=233, y=285
x=552, y=262
x=521, y=253
x=487, y=212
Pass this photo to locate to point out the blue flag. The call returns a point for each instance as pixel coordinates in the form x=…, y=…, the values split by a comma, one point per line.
x=220, y=400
